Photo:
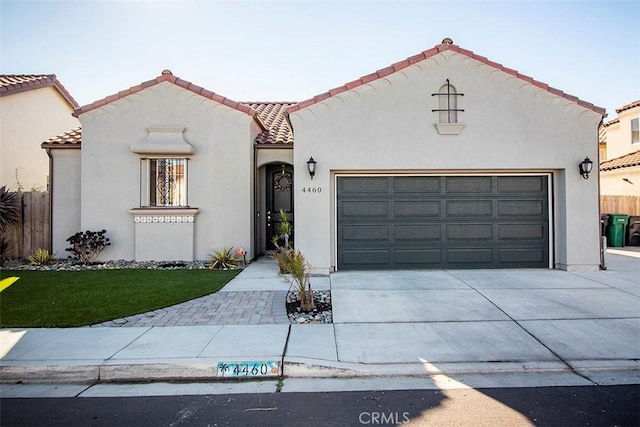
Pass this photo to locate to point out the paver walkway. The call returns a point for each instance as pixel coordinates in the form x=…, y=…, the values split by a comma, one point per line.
x=221, y=308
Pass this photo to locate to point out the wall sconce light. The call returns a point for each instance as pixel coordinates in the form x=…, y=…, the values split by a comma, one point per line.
x=311, y=167
x=585, y=167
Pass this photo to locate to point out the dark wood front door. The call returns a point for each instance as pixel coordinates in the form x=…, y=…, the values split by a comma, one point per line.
x=279, y=196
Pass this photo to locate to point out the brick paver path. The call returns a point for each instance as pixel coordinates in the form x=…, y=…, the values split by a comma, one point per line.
x=221, y=308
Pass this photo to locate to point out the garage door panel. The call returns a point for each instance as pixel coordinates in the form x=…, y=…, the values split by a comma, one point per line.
x=521, y=184
x=469, y=208
x=417, y=184
x=443, y=222
x=367, y=185
x=521, y=257
x=366, y=233
x=372, y=258
x=360, y=209
x=468, y=184
x=418, y=257
x=521, y=208
x=470, y=256
x=467, y=232
x=522, y=232
x=417, y=232
x=413, y=208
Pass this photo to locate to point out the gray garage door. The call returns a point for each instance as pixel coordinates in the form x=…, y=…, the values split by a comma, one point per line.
x=387, y=222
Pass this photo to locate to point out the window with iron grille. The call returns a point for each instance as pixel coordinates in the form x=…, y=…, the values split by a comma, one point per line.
x=635, y=130
x=163, y=182
x=447, y=103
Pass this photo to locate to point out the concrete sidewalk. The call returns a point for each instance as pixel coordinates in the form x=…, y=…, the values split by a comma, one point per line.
x=401, y=323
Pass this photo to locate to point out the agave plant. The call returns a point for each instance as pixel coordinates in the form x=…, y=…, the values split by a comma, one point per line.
x=223, y=260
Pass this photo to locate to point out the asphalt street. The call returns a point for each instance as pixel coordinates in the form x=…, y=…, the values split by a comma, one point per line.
x=540, y=406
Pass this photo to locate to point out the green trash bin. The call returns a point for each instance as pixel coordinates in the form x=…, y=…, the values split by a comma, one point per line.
x=616, y=230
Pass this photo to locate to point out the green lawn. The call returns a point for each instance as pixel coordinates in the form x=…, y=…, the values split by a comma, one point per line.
x=78, y=298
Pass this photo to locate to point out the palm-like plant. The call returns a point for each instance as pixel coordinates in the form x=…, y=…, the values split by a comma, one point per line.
x=10, y=214
x=300, y=273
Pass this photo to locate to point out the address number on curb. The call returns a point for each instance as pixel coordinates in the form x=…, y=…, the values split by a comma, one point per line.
x=312, y=189
x=249, y=369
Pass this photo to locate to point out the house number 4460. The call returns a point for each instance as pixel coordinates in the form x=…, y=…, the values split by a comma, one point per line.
x=312, y=189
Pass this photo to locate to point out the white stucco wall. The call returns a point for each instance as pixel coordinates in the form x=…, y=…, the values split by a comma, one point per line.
x=619, y=135
x=613, y=182
x=387, y=126
x=28, y=119
x=220, y=173
x=65, y=198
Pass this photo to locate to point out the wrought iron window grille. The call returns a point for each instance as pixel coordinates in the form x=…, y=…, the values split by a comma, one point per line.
x=451, y=106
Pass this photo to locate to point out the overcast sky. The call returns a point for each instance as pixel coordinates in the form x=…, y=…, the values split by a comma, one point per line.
x=293, y=50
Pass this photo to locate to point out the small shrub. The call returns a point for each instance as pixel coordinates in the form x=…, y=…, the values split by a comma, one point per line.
x=300, y=274
x=42, y=257
x=224, y=260
x=87, y=246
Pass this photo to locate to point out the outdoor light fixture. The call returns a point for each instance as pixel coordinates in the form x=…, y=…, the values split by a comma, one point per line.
x=585, y=167
x=311, y=167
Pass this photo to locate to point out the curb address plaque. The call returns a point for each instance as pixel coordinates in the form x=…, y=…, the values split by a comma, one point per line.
x=249, y=369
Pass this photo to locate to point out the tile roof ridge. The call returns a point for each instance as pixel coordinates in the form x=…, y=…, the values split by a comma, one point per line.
x=167, y=76
x=629, y=106
x=445, y=45
x=624, y=161
x=34, y=81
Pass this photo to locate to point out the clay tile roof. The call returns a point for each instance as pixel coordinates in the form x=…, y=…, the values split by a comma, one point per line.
x=15, y=83
x=628, y=106
x=69, y=139
x=622, y=162
x=167, y=76
x=447, y=44
x=278, y=130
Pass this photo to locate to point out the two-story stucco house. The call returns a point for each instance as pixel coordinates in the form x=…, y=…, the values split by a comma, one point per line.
x=33, y=107
x=442, y=160
x=620, y=172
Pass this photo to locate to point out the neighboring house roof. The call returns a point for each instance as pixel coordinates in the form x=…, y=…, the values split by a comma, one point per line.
x=278, y=128
x=622, y=162
x=69, y=139
x=628, y=106
x=447, y=44
x=167, y=76
x=15, y=83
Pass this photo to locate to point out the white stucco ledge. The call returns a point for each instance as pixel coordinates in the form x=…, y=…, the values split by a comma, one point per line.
x=449, y=128
x=164, y=140
x=186, y=214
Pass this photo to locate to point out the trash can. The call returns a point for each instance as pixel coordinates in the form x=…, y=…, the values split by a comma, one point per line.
x=616, y=230
x=633, y=234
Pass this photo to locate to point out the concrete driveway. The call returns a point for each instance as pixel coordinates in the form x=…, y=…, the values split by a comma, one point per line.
x=527, y=318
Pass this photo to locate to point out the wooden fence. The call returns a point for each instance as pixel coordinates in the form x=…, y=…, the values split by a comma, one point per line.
x=629, y=205
x=33, y=231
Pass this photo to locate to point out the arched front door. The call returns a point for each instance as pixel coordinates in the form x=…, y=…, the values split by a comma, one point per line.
x=279, y=196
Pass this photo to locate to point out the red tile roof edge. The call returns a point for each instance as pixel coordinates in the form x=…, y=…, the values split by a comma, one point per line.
x=432, y=52
x=628, y=106
x=69, y=139
x=626, y=161
x=167, y=76
x=49, y=80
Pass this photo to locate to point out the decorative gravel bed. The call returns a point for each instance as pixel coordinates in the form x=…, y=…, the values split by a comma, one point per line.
x=68, y=265
x=322, y=313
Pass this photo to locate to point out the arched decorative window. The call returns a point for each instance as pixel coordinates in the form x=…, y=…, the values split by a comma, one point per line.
x=448, y=109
